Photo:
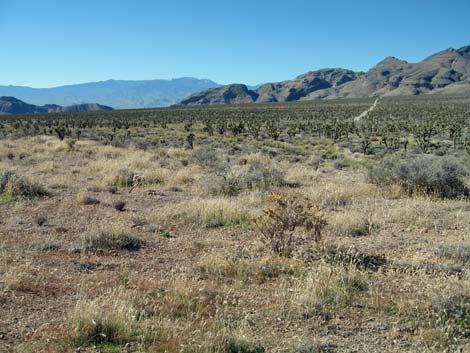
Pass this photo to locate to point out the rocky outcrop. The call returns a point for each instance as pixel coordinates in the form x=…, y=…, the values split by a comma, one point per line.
x=445, y=72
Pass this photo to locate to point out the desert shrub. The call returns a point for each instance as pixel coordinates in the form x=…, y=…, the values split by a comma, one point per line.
x=207, y=157
x=383, y=173
x=430, y=175
x=287, y=213
x=14, y=186
x=263, y=177
x=109, y=240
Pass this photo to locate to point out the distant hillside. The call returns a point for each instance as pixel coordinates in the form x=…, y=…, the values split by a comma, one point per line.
x=445, y=72
x=117, y=94
x=14, y=106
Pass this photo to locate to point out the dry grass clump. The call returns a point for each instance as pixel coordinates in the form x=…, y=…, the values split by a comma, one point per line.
x=124, y=178
x=349, y=256
x=155, y=176
x=18, y=276
x=255, y=174
x=110, y=240
x=110, y=319
x=225, y=267
x=212, y=213
x=239, y=344
x=14, y=186
x=435, y=306
x=326, y=286
x=300, y=173
x=183, y=177
x=421, y=212
x=340, y=191
x=351, y=223
x=457, y=252
x=186, y=318
x=452, y=310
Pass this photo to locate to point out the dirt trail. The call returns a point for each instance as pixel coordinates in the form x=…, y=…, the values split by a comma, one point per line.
x=364, y=113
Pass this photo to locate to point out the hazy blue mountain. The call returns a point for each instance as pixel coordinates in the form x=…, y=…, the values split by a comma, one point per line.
x=14, y=106
x=114, y=93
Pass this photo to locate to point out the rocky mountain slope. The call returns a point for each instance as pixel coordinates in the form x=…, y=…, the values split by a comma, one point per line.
x=14, y=106
x=114, y=93
x=445, y=72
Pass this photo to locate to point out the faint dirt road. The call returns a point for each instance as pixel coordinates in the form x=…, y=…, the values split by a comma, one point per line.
x=364, y=113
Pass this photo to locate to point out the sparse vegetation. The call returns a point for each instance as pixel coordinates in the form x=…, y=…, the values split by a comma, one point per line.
x=287, y=228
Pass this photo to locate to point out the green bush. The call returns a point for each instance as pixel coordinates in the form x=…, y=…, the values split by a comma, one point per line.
x=430, y=175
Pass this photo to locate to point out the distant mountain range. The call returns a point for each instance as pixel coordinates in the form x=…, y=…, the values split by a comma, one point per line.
x=13, y=106
x=113, y=93
x=445, y=72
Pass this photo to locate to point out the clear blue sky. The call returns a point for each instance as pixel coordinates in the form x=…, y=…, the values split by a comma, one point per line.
x=52, y=42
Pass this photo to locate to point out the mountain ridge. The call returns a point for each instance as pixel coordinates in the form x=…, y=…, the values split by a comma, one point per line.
x=447, y=71
x=119, y=94
x=14, y=106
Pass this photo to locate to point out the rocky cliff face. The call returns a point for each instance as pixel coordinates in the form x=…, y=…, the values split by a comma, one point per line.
x=445, y=72
x=231, y=94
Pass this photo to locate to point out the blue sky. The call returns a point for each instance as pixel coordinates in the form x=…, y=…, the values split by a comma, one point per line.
x=53, y=42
